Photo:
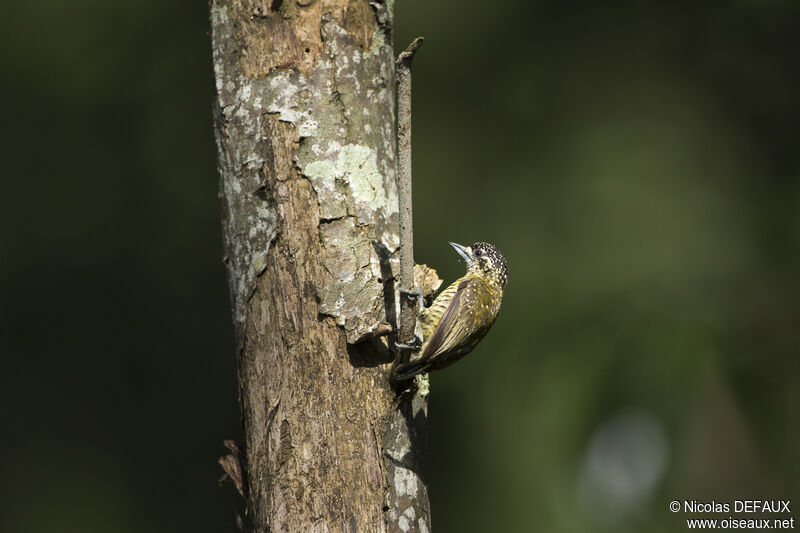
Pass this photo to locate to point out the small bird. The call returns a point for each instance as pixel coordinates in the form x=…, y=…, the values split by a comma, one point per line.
x=463, y=313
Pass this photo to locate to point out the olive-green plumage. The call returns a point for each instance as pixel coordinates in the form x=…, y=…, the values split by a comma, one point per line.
x=461, y=314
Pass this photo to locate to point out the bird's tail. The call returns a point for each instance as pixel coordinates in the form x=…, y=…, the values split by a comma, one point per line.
x=409, y=370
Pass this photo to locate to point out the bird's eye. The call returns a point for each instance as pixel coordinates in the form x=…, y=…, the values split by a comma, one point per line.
x=478, y=252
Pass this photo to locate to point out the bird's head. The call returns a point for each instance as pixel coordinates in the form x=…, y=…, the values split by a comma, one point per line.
x=485, y=260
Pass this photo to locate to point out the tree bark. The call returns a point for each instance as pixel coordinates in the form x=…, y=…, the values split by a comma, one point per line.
x=306, y=139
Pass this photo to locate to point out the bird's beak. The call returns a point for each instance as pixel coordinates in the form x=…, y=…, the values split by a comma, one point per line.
x=462, y=251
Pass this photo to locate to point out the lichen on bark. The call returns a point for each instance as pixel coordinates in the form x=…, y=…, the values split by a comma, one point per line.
x=249, y=215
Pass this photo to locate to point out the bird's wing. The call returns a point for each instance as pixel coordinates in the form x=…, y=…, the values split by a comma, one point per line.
x=457, y=324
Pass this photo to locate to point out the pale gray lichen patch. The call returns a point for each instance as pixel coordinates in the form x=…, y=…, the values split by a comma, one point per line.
x=378, y=42
x=360, y=171
x=422, y=525
x=364, y=196
x=403, y=524
x=287, y=98
x=405, y=482
x=406, y=520
x=384, y=12
x=249, y=213
x=332, y=201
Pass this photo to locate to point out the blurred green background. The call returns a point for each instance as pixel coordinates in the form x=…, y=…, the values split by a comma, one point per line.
x=637, y=163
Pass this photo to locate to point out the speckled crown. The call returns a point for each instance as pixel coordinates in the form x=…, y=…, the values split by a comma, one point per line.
x=498, y=260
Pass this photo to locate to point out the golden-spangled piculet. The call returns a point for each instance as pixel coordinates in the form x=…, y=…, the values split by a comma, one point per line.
x=462, y=314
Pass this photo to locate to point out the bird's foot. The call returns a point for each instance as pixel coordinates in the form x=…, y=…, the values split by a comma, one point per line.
x=415, y=345
x=414, y=293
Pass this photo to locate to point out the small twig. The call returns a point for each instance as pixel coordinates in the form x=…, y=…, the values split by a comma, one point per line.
x=408, y=307
x=408, y=54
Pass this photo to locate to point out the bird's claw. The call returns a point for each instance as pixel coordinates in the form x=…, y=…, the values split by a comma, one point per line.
x=415, y=345
x=414, y=293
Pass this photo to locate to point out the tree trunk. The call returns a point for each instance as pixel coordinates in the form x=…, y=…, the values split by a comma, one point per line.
x=307, y=150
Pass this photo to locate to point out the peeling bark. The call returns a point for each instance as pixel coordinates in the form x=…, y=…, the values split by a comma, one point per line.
x=306, y=140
